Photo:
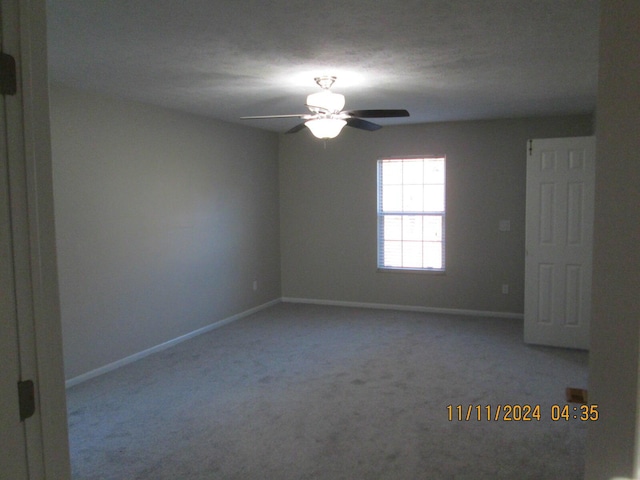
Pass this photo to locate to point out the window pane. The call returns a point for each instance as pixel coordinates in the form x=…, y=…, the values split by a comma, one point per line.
x=392, y=254
x=392, y=227
x=412, y=254
x=434, y=170
x=392, y=198
x=392, y=172
x=432, y=228
x=412, y=198
x=412, y=172
x=432, y=252
x=412, y=228
x=434, y=198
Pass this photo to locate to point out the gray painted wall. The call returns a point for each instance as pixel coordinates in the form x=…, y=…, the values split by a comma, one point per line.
x=613, y=442
x=163, y=222
x=165, y=219
x=328, y=212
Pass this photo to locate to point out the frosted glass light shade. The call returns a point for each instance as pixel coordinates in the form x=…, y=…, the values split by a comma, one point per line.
x=333, y=102
x=325, y=127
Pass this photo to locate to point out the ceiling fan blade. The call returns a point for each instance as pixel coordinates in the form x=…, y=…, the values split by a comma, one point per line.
x=297, y=128
x=362, y=124
x=295, y=115
x=378, y=113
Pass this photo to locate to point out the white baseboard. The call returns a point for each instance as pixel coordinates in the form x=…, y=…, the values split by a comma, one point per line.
x=163, y=346
x=409, y=308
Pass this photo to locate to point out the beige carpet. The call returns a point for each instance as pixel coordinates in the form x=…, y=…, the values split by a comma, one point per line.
x=311, y=392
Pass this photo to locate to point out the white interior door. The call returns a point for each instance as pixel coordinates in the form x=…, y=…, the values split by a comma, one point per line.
x=559, y=241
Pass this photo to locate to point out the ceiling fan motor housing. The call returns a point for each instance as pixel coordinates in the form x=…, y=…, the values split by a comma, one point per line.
x=325, y=102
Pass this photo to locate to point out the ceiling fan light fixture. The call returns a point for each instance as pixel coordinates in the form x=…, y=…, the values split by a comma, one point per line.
x=326, y=100
x=325, y=127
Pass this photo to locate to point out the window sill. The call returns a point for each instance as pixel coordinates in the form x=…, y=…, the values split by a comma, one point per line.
x=419, y=271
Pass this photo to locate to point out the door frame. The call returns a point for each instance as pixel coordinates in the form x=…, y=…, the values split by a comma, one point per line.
x=32, y=232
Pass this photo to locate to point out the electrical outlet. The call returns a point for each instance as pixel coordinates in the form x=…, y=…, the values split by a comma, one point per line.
x=255, y=285
x=505, y=289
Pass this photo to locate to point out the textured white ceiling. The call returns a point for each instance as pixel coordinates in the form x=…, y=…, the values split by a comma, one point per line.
x=440, y=59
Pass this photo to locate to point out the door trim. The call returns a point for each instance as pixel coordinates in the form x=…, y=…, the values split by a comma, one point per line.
x=33, y=234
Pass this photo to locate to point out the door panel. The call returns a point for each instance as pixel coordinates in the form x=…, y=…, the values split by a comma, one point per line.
x=559, y=241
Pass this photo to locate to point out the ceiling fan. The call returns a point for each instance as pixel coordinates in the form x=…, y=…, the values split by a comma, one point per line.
x=327, y=117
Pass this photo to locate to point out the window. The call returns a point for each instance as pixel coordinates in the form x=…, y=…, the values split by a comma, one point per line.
x=411, y=214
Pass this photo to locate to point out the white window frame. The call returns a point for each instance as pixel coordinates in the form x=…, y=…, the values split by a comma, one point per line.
x=405, y=214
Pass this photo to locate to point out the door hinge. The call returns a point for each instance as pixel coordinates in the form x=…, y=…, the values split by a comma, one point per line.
x=27, y=399
x=8, y=77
